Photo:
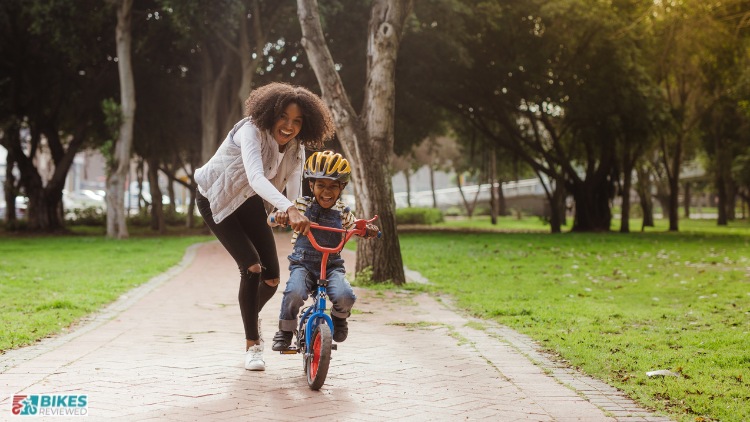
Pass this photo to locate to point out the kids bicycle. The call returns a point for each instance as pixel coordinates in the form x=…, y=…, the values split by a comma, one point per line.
x=314, y=336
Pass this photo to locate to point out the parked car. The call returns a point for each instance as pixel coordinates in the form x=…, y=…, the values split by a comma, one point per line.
x=21, y=207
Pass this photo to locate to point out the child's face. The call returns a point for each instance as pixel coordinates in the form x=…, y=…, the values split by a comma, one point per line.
x=326, y=191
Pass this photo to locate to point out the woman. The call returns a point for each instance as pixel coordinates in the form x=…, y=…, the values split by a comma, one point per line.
x=260, y=156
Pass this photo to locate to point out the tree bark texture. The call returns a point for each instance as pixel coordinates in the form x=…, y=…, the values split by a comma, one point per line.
x=493, y=191
x=674, y=188
x=214, y=75
x=407, y=177
x=593, y=212
x=432, y=186
x=367, y=138
x=627, y=183
x=157, y=208
x=9, y=186
x=45, y=211
x=643, y=188
x=116, y=181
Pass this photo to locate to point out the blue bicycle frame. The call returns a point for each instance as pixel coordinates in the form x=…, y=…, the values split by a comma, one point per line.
x=313, y=315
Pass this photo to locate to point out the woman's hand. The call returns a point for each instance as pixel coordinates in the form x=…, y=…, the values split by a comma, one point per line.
x=299, y=222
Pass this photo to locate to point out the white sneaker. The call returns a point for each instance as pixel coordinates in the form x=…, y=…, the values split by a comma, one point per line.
x=254, y=358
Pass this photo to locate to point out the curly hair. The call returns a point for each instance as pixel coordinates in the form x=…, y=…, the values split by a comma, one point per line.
x=266, y=104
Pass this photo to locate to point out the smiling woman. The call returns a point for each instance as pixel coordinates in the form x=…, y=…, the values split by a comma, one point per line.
x=260, y=158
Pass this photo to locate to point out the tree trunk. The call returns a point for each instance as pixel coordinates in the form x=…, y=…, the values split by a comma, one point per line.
x=142, y=203
x=501, y=202
x=190, y=217
x=731, y=199
x=557, y=208
x=40, y=213
x=643, y=188
x=212, y=91
x=172, y=209
x=721, y=193
x=468, y=206
x=672, y=167
x=432, y=186
x=116, y=222
x=45, y=209
x=369, y=134
x=9, y=186
x=592, y=205
x=407, y=173
x=555, y=193
x=674, y=203
x=157, y=208
x=627, y=182
x=493, y=191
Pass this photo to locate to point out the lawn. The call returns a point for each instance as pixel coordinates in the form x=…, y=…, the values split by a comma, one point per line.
x=615, y=305
x=49, y=282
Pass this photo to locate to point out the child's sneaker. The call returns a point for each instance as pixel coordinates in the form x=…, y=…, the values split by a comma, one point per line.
x=340, y=329
x=254, y=358
x=282, y=340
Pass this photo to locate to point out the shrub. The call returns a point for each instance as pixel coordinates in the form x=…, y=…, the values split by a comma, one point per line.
x=454, y=212
x=142, y=219
x=89, y=216
x=418, y=216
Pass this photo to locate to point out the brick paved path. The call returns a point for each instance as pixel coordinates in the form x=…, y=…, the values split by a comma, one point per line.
x=173, y=350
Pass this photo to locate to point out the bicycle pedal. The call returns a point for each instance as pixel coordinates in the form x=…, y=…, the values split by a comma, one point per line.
x=290, y=351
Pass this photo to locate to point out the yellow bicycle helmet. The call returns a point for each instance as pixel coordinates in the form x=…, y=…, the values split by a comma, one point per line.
x=328, y=165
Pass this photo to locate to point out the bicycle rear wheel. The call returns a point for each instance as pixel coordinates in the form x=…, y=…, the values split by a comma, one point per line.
x=320, y=356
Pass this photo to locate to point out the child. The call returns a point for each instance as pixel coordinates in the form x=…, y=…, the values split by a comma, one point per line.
x=328, y=173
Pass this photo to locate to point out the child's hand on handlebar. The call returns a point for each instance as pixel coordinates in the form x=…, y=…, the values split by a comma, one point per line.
x=278, y=218
x=372, y=231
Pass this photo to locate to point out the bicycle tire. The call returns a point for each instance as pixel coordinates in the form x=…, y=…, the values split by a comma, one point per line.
x=320, y=356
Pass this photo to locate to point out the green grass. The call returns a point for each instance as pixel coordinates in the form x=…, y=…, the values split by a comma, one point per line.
x=616, y=305
x=536, y=224
x=48, y=283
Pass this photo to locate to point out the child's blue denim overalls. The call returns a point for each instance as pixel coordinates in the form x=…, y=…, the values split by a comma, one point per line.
x=304, y=269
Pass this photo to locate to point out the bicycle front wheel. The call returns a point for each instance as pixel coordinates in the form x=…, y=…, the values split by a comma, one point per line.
x=320, y=356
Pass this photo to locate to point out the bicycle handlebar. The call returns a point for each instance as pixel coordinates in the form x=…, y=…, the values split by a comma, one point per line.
x=360, y=229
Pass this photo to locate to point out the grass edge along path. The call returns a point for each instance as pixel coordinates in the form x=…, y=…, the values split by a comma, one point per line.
x=48, y=283
x=614, y=305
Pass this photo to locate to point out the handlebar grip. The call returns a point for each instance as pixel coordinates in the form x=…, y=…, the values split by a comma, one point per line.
x=380, y=234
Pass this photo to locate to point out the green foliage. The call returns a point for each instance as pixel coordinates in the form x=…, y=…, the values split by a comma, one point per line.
x=363, y=278
x=615, y=305
x=418, y=216
x=89, y=216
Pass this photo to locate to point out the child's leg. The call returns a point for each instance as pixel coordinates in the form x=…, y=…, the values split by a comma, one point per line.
x=341, y=294
x=342, y=297
x=295, y=295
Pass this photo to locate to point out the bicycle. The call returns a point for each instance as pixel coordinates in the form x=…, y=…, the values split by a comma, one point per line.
x=314, y=336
